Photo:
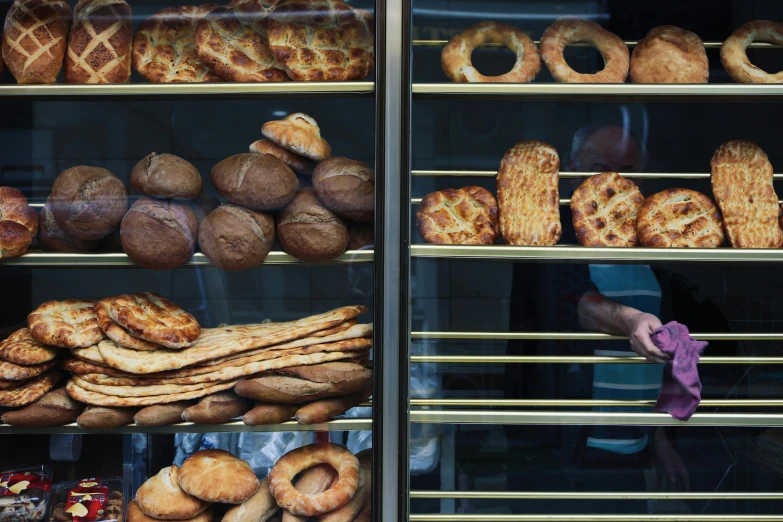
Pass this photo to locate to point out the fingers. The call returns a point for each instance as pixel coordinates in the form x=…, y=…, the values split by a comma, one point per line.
x=642, y=345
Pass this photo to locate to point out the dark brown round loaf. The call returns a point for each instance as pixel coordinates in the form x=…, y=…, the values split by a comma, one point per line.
x=346, y=187
x=159, y=233
x=235, y=238
x=166, y=176
x=88, y=202
x=255, y=181
x=53, y=237
x=309, y=231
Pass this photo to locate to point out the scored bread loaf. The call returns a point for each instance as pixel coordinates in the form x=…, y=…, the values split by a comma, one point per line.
x=218, y=476
x=161, y=414
x=325, y=409
x=465, y=216
x=287, y=389
x=216, y=409
x=53, y=409
x=679, y=218
x=604, y=211
x=104, y=418
x=162, y=497
x=258, y=508
x=309, y=231
x=235, y=238
x=100, y=43
x=263, y=414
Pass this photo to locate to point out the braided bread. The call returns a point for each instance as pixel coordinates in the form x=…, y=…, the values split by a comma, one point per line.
x=100, y=43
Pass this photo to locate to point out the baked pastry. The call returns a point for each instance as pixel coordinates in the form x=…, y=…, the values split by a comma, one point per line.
x=235, y=238
x=362, y=497
x=117, y=333
x=218, y=476
x=100, y=43
x=53, y=409
x=51, y=236
x=67, y=324
x=30, y=390
x=21, y=348
x=568, y=30
x=322, y=40
x=301, y=165
x=456, y=55
x=164, y=47
x=104, y=418
x=669, y=54
x=35, y=36
x=155, y=319
x=161, y=414
x=742, y=185
x=679, y=218
x=166, y=176
x=528, y=195
x=162, y=498
x=309, y=231
x=322, y=410
x=466, y=216
x=232, y=42
x=265, y=414
x=604, y=211
x=18, y=223
x=255, y=181
x=135, y=514
x=258, y=508
x=216, y=408
x=298, y=133
x=733, y=52
x=15, y=372
x=346, y=187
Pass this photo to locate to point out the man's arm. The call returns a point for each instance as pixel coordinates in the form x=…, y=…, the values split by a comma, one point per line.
x=597, y=313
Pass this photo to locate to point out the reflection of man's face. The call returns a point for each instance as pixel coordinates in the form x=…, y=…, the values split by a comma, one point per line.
x=611, y=149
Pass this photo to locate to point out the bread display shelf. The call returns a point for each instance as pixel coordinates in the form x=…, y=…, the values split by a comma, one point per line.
x=580, y=254
x=189, y=427
x=584, y=336
x=86, y=260
x=592, y=518
x=574, y=359
x=589, y=403
x=569, y=175
x=601, y=495
x=287, y=89
x=629, y=43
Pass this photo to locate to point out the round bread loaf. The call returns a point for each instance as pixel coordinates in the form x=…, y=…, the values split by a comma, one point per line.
x=161, y=497
x=301, y=165
x=18, y=223
x=235, y=238
x=159, y=233
x=309, y=231
x=88, y=202
x=217, y=476
x=669, y=54
x=346, y=187
x=52, y=237
x=256, y=181
x=166, y=176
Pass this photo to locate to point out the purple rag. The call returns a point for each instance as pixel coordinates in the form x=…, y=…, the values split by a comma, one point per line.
x=681, y=389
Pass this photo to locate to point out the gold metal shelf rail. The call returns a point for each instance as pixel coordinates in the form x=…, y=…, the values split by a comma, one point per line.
x=184, y=89
x=573, y=359
x=576, y=403
x=564, y=202
x=595, y=91
x=585, y=336
x=568, y=175
x=593, y=518
x=629, y=43
x=600, y=495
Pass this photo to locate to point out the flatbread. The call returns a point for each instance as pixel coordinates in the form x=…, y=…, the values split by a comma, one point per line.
x=67, y=324
x=679, y=218
x=99, y=399
x=138, y=391
x=117, y=333
x=604, y=211
x=16, y=372
x=21, y=348
x=90, y=354
x=30, y=391
x=221, y=342
x=80, y=367
x=337, y=329
x=4, y=385
x=155, y=319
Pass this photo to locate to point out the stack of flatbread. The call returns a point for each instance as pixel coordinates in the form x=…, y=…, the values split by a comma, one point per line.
x=28, y=369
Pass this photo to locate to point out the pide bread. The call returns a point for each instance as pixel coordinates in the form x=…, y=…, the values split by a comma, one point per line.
x=35, y=36
x=117, y=333
x=155, y=319
x=100, y=43
x=258, y=508
x=21, y=348
x=604, y=211
x=255, y=181
x=139, y=390
x=235, y=238
x=18, y=223
x=309, y=231
x=218, y=476
x=528, y=195
x=743, y=189
x=346, y=187
x=30, y=390
x=298, y=133
x=216, y=409
x=166, y=176
x=52, y=236
x=679, y=218
x=466, y=216
x=101, y=399
x=161, y=497
x=53, y=409
x=67, y=324
x=164, y=47
x=103, y=418
x=669, y=54
x=161, y=414
x=301, y=165
x=16, y=372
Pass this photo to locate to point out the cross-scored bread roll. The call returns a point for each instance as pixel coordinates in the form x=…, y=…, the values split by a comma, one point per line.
x=35, y=38
x=604, y=211
x=742, y=185
x=528, y=194
x=679, y=218
x=100, y=43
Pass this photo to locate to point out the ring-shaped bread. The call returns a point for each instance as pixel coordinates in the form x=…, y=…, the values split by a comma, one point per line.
x=734, y=57
x=566, y=31
x=456, y=56
x=300, y=459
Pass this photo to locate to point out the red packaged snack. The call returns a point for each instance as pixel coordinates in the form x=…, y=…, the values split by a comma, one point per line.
x=93, y=499
x=87, y=501
x=24, y=494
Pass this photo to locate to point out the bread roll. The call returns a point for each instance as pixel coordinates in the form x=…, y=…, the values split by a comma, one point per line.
x=258, y=508
x=159, y=234
x=322, y=410
x=337, y=372
x=669, y=54
x=235, y=238
x=298, y=133
x=309, y=231
x=18, y=223
x=218, y=476
x=216, y=408
x=263, y=414
x=346, y=187
x=166, y=176
x=100, y=43
x=161, y=414
x=301, y=165
x=35, y=37
x=288, y=389
x=161, y=497
x=53, y=409
x=255, y=181
x=88, y=202
x=105, y=418
x=52, y=237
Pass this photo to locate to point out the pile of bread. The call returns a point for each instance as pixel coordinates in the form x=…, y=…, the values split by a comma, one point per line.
x=243, y=41
x=668, y=54
x=161, y=229
x=324, y=481
x=609, y=210
x=141, y=358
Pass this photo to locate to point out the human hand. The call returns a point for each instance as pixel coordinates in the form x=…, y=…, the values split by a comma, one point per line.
x=641, y=327
x=669, y=464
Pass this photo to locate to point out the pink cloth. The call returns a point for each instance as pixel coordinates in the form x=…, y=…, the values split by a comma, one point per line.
x=681, y=389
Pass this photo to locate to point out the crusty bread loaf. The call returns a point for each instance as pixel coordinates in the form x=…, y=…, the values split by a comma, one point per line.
x=218, y=476
x=346, y=187
x=161, y=414
x=166, y=176
x=18, y=223
x=465, y=216
x=255, y=181
x=159, y=234
x=105, y=418
x=135, y=514
x=67, y=324
x=324, y=409
x=299, y=133
x=100, y=43
x=51, y=236
x=289, y=389
x=53, y=409
x=669, y=54
x=35, y=36
x=162, y=497
x=216, y=408
x=258, y=508
x=333, y=372
x=263, y=414
x=309, y=231
x=604, y=210
x=235, y=238
x=679, y=218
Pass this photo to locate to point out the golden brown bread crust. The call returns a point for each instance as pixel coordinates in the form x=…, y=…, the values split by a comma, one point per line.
x=218, y=476
x=18, y=223
x=604, y=211
x=21, y=348
x=35, y=36
x=743, y=189
x=117, y=333
x=528, y=195
x=155, y=319
x=100, y=44
x=322, y=40
x=31, y=390
x=309, y=231
x=161, y=497
x=679, y=218
x=362, y=497
x=53, y=409
x=17, y=372
x=346, y=187
x=301, y=165
x=258, y=508
x=135, y=514
x=104, y=418
x=161, y=414
x=669, y=54
x=568, y=30
x=456, y=55
x=263, y=414
x=67, y=324
x=216, y=409
x=235, y=238
x=734, y=57
x=311, y=481
x=465, y=216
x=322, y=410
x=298, y=133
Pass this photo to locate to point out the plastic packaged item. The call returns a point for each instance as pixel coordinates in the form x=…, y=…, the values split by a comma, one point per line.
x=25, y=493
x=92, y=499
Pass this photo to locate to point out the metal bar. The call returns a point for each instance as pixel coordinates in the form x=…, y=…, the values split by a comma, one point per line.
x=586, y=336
x=569, y=403
x=593, y=518
x=577, y=253
x=569, y=175
x=629, y=43
x=576, y=418
x=573, y=359
x=600, y=495
x=180, y=89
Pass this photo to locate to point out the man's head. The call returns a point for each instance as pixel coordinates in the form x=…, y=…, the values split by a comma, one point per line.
x=605, y=148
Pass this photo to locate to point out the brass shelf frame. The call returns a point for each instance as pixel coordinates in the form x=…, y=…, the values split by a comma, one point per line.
x=573, y=359
x=585, y=336
x=95, y=260
x=576, y=403
x=569, y=175
x=599, y=495
x=190, y=89
x=629, y=43
x=592, y=518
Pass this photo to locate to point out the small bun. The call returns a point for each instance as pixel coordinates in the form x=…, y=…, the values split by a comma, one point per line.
x=346, y=187
x=309, y=231
x=18, y=223
x=235, y=238
x=255, y=181
x=159, y=233
x=166, y=176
